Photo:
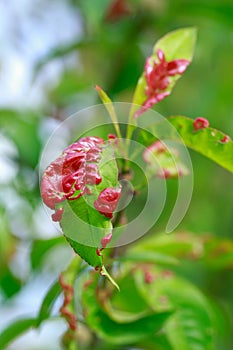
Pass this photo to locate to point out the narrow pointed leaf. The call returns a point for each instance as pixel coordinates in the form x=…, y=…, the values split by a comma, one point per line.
x=105, y=273
x=15, y=330
x=48, y=302
x=110, y=108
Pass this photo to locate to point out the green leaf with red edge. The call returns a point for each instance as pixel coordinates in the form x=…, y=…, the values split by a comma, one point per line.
x=84, y=226
x=86, y=253
x=178, y=44
x=207, y=141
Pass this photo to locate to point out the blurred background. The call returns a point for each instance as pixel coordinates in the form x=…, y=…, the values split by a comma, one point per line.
x=52, y=53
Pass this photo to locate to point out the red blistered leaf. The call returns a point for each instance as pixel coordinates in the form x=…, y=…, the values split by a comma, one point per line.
x=107, y=201
x=200, y=123
x=225, y=139
x=51, y=184
x=164, y=161
x=72, y=174
x=158, y=75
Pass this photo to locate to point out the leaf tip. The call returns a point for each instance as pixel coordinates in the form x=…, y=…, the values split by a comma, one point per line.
x=98, y=88
x=105, y=273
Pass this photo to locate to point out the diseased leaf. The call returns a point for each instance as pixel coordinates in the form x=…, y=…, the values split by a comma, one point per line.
x=178, y=48
x=163, y=161
x=208, y=141
x=82, y=224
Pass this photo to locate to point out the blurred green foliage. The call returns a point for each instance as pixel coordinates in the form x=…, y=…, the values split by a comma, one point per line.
x=111, y=52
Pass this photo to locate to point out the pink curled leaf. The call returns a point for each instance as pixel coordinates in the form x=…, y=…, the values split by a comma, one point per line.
x=158, y=75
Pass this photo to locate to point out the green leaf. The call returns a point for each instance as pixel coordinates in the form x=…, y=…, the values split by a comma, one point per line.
x=187, y=331
x=115, y=332
x=139, y=94
x=125, y=307
x=122, y=316
x=164, y=249
x=193, y=323
x=15, y=330
x=191, y=327
x=110, y=108
x=48, y=302
x=82, y=225
x=107, y=102
x=158, y=341
x=149, y=256
x=167, y=247
x=7, y=243
x=94, y=12
x=178, y=44
x=218, y=253
x=10, y=284
x=105, y=273
x=120, y=334
x=86, y=253
x=205, y=141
